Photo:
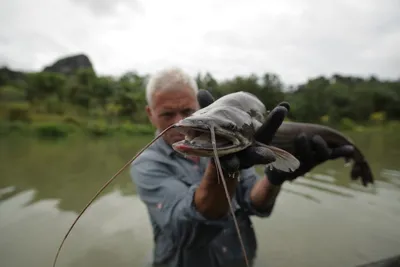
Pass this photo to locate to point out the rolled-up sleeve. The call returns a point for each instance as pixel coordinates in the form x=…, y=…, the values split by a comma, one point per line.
x=249, y=177
x=170, y=203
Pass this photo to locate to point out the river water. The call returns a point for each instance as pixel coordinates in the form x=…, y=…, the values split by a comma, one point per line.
x=322, y=219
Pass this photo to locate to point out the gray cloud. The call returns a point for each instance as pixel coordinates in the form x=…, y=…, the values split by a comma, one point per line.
x=295, y=39
x=109, y=8
x=330, y=37
x=16, y=53
x=33, y=36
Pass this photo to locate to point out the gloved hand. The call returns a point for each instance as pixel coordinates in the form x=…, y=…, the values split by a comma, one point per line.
x=255, y=154
x=310, y=151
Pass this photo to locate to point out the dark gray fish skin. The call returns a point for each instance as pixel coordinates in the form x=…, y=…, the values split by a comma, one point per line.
x=289, y=130
x=235, y=117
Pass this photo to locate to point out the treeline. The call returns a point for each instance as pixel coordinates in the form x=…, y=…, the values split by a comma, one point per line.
x=84, y=97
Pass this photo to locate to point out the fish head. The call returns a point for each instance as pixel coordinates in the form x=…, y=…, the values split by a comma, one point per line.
x=234, y=130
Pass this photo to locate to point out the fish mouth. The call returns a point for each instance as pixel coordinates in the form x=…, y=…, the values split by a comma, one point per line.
x=198, y=141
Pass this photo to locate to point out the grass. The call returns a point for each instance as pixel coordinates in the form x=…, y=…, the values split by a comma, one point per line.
x=62, y=129
x=18, y=120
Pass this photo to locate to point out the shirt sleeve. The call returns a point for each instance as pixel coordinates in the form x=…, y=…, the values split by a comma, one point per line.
x=170, y=203
x=248, y=179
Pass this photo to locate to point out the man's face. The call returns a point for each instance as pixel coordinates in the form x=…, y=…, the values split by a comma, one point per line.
x=169, y=107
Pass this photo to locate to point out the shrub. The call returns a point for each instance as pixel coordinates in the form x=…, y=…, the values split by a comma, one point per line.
x=378, y=117
x=347, y=124
x=13, y=127
x=98, y=128
x=52, y=130
x=72, y=120
x=18, y=112
x=325, y=119
x=135, y=129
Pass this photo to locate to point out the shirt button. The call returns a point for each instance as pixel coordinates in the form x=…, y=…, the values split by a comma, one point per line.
x=224, y=249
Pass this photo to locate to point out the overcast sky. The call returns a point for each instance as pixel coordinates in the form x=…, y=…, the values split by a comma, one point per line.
x=297, y=39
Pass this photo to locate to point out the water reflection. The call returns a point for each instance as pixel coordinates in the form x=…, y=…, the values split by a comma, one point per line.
x=108, y=234
x=322, y=219
x=315, y=185
x=321, y=230
x=307, y=196
x=71, y=171
x=392, y=176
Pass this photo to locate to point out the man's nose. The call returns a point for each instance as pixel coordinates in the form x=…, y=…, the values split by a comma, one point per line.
x=178, y=117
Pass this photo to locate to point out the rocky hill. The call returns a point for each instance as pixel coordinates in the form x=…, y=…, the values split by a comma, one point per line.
x=70, y=64
x=66, y=65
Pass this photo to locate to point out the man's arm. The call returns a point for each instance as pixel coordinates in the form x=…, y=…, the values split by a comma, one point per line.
x=210, y=197
x=257, y=194
x=263, y=195
x=177, y=208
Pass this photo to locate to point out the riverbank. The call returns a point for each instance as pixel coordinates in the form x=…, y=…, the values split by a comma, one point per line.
x=72, y=128
x=66, y=127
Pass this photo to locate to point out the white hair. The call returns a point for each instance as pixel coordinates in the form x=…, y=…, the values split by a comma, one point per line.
x=169, y=79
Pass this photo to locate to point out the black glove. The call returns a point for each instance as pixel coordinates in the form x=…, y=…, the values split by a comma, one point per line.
x=310, y=151
x=255, y=154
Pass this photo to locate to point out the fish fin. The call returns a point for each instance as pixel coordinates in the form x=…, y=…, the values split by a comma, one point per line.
x=347, y=161
x=284, y=160
x=256, y=124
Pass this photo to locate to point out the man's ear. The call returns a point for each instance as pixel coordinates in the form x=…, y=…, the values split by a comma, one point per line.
x=150, y=114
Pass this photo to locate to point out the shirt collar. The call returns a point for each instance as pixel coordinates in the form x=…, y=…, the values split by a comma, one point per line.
x=163, y=146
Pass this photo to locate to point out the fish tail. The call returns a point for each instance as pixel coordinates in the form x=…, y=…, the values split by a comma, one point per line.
x=361, y=169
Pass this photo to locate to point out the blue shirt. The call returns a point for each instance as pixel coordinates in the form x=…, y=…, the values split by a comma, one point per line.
x=166, y=182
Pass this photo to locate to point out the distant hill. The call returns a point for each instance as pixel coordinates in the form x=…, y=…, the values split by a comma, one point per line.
x=70, y=64
x=65, y=65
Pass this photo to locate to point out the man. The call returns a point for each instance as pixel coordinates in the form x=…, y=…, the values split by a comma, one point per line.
x=187, y=206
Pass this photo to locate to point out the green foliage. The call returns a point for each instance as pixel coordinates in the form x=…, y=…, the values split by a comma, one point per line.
x=16, y=112
x=10, y=93
x=378, y=117
x=325, y=119
x=71, y=120
x=347, y=124
x=136, y=129
x=51, y=130
x=56, y=105
x=98, y=128
x=14, y=128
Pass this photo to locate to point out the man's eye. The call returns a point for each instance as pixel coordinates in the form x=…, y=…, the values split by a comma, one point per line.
x=187, y=112
x=167, y=115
